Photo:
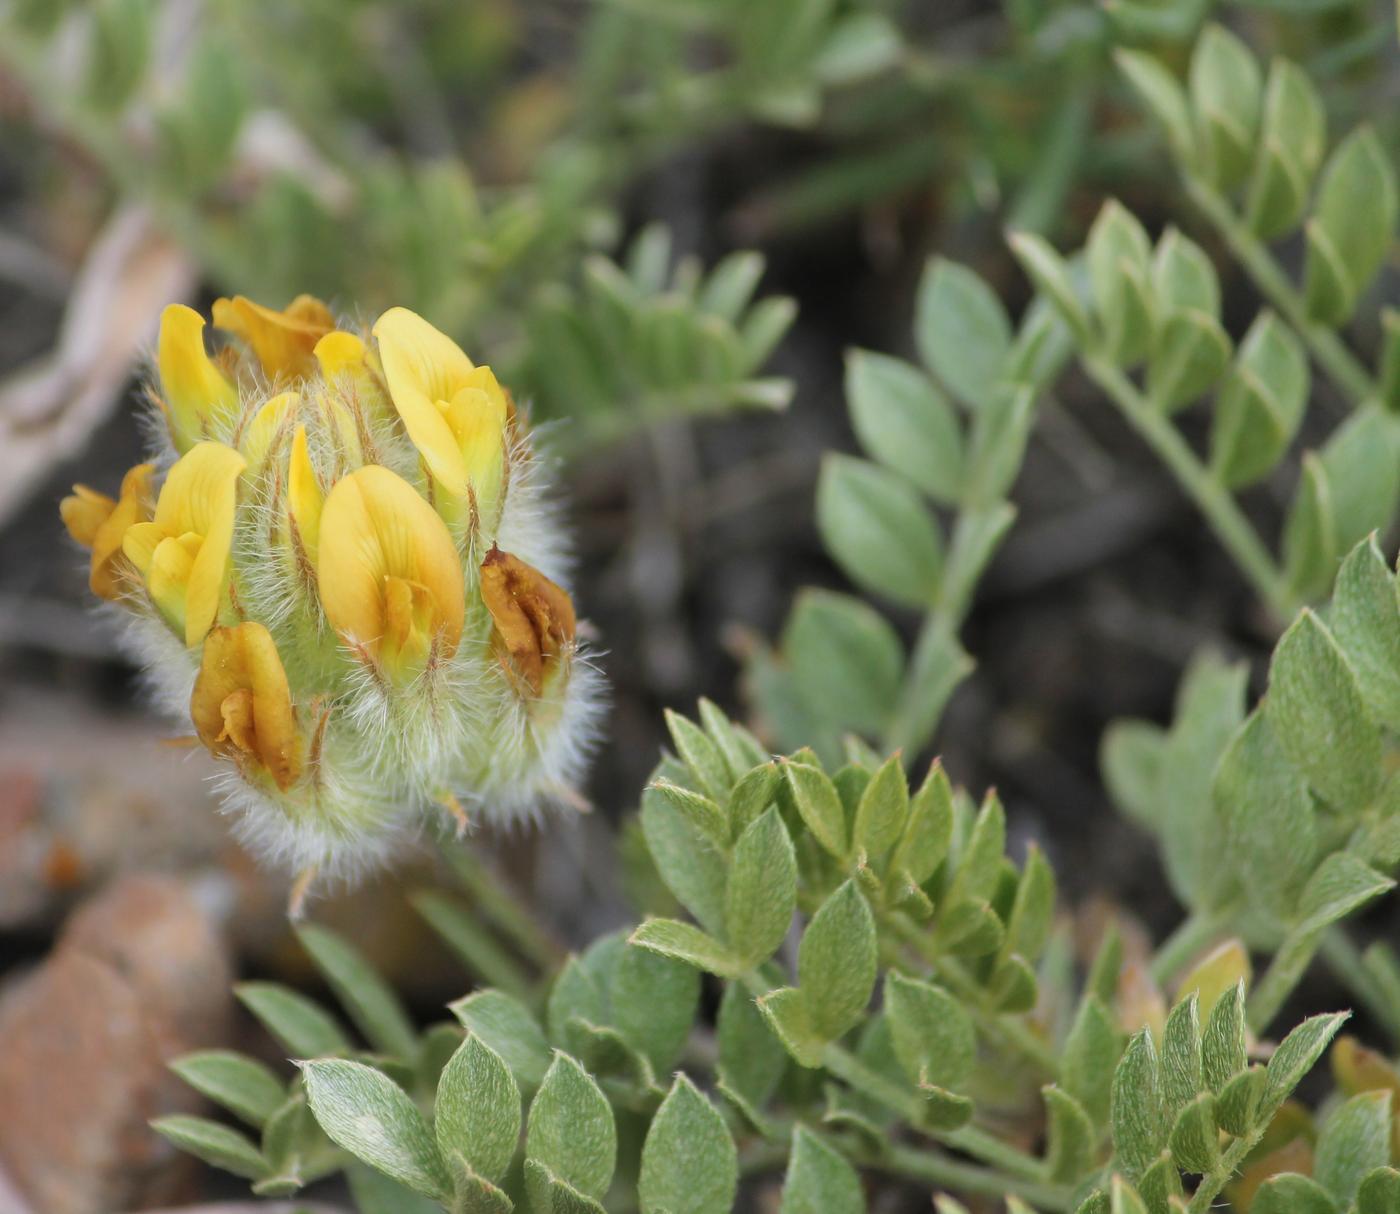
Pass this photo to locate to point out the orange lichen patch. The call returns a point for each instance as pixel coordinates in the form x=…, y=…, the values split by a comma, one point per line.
x=533, y=617
x=241, y=705
x=284, y=341
x=99, y=523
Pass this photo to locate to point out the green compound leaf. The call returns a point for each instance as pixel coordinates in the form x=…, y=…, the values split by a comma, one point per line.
x=1310, y=533
x=1226, y=90
x=788, y=1015
x=1365, y=621
x=751, y=1058
x=654, y=1001
x=476, y=1115
x=1091, y=1054
x=928, y=830
x=846, y=661
x=902, y=420
x=1139, y=1134
x=1223, y=1053
x=240, y=1084
x=1291, y=1193
x=1190, y=351
x=1268, y=815
x=1379, y=1192
x=879, y=531
x=1051, y=276
x=301, y=1026
x=962, y=331
x=1353, y=226
x=570, y=1135
x=819, y=805
x=932, y=1032
x=1342, y=884
x=1295, y=1056
x=507, y=1026
x=1181, y=1070
x=703, y=814
x=366, y=1113
x=1260, y=405
x=1355, y=1140
x=688, y=943
x=689, y=1164
x=1071, y=1136
x=216, y=1144
x=1164, y=97
x=883, y=810
x=819, y=1180
x=1195, y=1138
x=1319, y=718
x=1183, y=276
x=690, y=864
x=762, y=891
x=704, y=759
x=836, y=962
x=1293, y=138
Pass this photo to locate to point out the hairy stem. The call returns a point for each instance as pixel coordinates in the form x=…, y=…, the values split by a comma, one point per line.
x=1194, y=935
x=1343, y=958
x=1328, y=350
x=937, y=662
x=1221, y=510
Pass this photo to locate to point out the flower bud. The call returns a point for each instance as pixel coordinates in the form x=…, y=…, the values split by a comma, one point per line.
x=317, y=582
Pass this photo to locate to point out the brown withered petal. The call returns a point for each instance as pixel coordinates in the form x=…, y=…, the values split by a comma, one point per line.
x=533, y=617
x=241, y=705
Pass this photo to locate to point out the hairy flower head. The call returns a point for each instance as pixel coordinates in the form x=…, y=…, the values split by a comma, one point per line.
x=320, y=565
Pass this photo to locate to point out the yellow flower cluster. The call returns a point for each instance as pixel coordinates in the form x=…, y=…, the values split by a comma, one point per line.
x=342, y=574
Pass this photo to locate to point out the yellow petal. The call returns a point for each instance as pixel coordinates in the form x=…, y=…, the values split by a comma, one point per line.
x=477, y=415
x=374, y=528
x=304, y=496
x=196, y=507
x=241, y=702
x=84, y=512
x=196, y=393
x=168, y=579
x=424, y=370
x=139, y=545
x=282, y=341
x=533, y=617
x=199, y=489
x=339, y=353
x=259, y=434
x=133, y=507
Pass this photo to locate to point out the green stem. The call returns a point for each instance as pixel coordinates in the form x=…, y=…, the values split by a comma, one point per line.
x=1328, y=350
x=1010, y=1031
x=1211, y=1184
x=969, y=1138
x=1344, y=959
x=1195, y=933
x=907, y=1105
x=1285, y=971
x=944, y=1173
x=938, y=663
x=1221, y=510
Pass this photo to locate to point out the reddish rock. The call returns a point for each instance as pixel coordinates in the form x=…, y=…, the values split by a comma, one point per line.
x=140, y=975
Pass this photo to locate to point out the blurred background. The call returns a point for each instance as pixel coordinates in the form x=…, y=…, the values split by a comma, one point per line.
x=491, y=165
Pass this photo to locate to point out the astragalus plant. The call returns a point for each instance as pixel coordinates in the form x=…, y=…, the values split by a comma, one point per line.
x=842, y=987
